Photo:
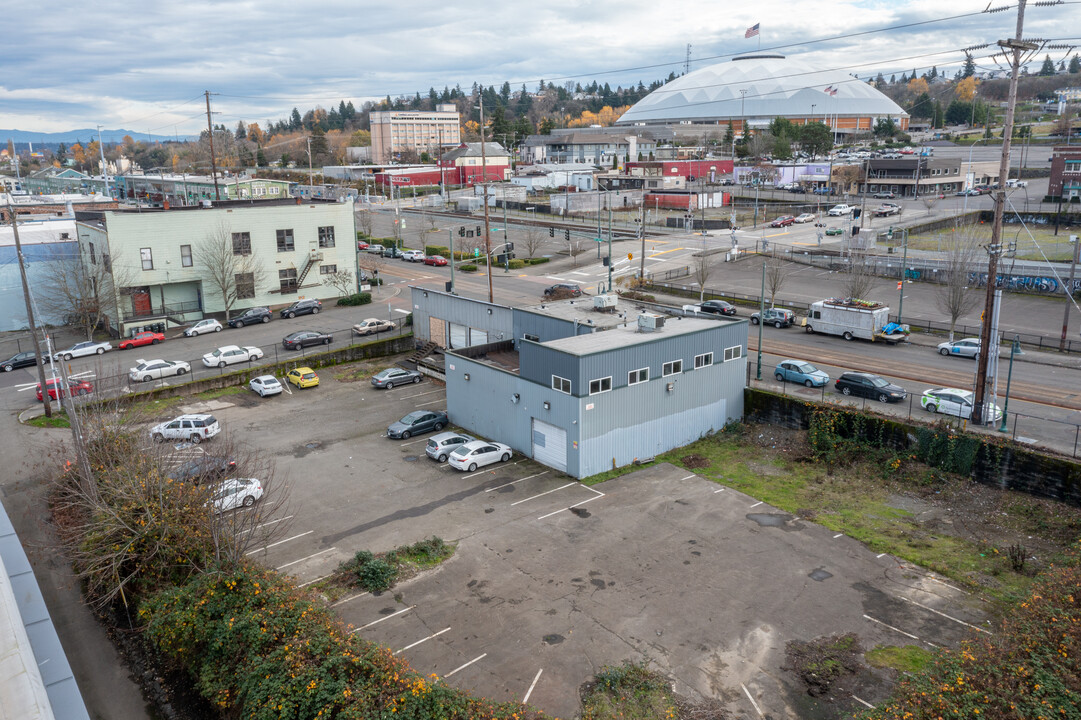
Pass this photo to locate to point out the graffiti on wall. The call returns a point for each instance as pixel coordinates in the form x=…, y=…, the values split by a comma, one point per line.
x=1029, y=283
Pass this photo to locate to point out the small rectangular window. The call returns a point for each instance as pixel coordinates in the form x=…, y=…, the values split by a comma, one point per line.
x=672, y=368
x=147, y=256
x=185, y=256
x=703, y=360
x=326, y=236
x=288, y=280
x=563, y=385
x=534, y=338
x=241, y=243
x=328, y=269
x=634, y=377
x=93, y=257
x=285, y=240
x=600, y=385
x=733, y=353
x=245, y=286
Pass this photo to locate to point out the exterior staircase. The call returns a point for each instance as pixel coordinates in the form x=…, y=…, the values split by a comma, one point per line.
x=422, y=352
x=314, y=258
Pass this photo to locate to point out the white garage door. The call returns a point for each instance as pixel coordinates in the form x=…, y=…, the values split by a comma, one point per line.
x=549, y=445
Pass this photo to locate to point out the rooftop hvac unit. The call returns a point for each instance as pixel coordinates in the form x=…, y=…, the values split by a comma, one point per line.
x=605, y=302
x=650, y=322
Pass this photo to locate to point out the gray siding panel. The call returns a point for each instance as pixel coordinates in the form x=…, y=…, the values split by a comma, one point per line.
x=545, y=327
x=539, y=363
x=428, y=303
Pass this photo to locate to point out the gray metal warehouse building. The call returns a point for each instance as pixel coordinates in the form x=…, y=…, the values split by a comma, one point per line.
x=588, y=384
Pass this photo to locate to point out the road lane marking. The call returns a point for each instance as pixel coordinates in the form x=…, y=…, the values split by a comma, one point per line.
x=514, y=482
x=418, y=642
x=531, y=686
x=748, y=694
x=385, y=617
x=662, y=252
x=321, y=552
x=463, y=667
x=948, y=617
x=543, y=493
x=267, y=547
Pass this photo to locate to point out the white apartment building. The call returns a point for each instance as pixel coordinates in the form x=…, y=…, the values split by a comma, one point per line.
x=395, y=131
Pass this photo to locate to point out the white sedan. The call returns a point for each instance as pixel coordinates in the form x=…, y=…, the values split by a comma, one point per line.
x=266, y=385
x=147, y=370
x=84, y=348
x=372, y=325
x=954, y=402
x=805, y=218
x=236, y=492
x=472, y=455
x=203, y=326
x=968, y=347
x=231, y=354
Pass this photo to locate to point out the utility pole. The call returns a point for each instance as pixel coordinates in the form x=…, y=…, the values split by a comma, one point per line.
x=1076, y=240
x=1016, y=46
x=442, y=182
x=487, y=219
x=30, y=311
x=901, y=285
x=104, y=170
x=642, y=235
x=213, y=161
x=311, y=181
x=761, y=317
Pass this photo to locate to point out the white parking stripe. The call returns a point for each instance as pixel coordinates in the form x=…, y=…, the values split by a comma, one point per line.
x=463, y=667
x=948, y=617
x=386, y=617
x=531, y=686
x=418, y=642
x=430, y=392
x=571, y=507
x=542, y=494
x=345, y=600
x=499, y=487
x=687, y=478
x=321, y=552
x=891, y=627
x=748, y=694
x=312, y=582
x=757, y=504
x=838, y=535
x=413, y=442
x=267, y=524
x=267, y=547
x=717, y=491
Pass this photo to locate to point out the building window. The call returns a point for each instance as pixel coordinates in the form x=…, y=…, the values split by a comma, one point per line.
x=703, y=360
x=638, y=376
x=672, y=368
x=273, y=191
x=93, y=257
x=600, y=385
x=147, y=256
x=185, y=256
x=563, y=385
x=285, y=240
x=288, y=280
x=534, y=338
x=328, y=269
x=733, y=353
x=245, y=286
x=326, y=236
x=242, y=243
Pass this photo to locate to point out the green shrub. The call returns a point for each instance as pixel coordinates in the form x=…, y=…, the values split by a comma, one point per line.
x=468, y=268
x=377, y=575
x=357, y=299
x=385, y=242
x=437, y=250
x=536, y=261
x=516, y=264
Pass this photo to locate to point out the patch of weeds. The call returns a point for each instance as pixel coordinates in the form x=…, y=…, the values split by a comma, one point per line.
x=630, y=691
x=220, y=392
x=376, y=573
x=695, y=461
x=617, y=472
x=910, y=658
x=821, y=662
x=424, y=554
x=58, y=420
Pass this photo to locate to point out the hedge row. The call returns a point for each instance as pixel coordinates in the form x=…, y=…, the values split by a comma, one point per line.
x=357, y=299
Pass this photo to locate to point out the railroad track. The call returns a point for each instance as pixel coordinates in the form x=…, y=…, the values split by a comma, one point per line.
x=579, y=229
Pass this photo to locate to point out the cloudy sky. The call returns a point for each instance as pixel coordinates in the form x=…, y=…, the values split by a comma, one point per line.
x=144, y=66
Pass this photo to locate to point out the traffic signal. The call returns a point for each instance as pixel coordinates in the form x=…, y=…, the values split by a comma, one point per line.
x=551, y=232
x=567, y=235
x=478, y=230
x=461, y=231
x=510, y=246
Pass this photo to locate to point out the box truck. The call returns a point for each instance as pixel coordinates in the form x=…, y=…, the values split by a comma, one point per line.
x=852, y=318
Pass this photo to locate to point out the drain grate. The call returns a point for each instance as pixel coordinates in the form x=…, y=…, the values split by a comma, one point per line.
x=410, y=458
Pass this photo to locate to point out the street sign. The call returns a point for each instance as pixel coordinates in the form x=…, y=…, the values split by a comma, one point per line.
x=476, y=252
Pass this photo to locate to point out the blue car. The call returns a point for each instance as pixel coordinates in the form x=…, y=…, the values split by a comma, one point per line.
x=801, y=372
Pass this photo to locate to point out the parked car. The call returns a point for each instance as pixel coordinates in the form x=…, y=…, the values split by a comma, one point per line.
x=19, y=360
x=821, y=191
x=202, y=327
x=371, y=326
x=967, y=347
x=75, y=387
x=147, y=370
x=266, y=385
x=361, y=245
x=869, y=386
x=416, y=422
x=800, y=371
x=834, y=231
x=842, y=209
x=783, y=221
x=805, y=217
x=887, y=209
x=413, y=256
x=194, y=428
x=252, y=316
x=204, y=467
x=777, y=317
x=885, y=195
x=231, y=354
x=478, y=453
x=437, y=260
x=306, y=338
x=302, y=307
x=954, y=402
x=302, y=377
x=143, y=338
x=233, y=493
x=718, y=307
x=440, y=446
x=395, y=376
x=798, y=189
x=374, y=249
x=392, y=252
x=571, y=289
x=81, y=349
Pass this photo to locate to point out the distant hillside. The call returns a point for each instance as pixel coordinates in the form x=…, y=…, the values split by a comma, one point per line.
x=23, y=137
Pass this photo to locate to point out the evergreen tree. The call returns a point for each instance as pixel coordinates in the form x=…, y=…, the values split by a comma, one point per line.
x=938, y=119
x=880, y=81
x=970, y=67
x=1075, y=65
x=540, y=86
x=729, y=135
x=893, y=78
x=1048, y=67
x=934, y=72
x=294, y=120
x=504, y=93
x=241, y=131
x=319, y=147
x=260, y=158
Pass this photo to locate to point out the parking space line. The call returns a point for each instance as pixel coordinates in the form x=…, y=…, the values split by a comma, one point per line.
x=531, y=686
x=418, y=642
x=570, y=507
x=687, y=478
x=542, y=494
x=386, y=617
x=757, y=504
x=321, y=552
x=891, y=627
x=463, y=667
x=413, y=442
x=267, y=547
x=528, y=477
x=345, y=600
x=948, y=617
x=717, y=491
x=478, y=472
x=266, y=524
x=862, y=702
x=433, y=402
x=951, y=587
x=880, y=555
x=312, y=582
x=838, y=535
x=430, y=392
x=748, y=694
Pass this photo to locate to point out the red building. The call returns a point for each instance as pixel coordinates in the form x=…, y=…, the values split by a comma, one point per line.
x=1065, y=181
x=691, y=169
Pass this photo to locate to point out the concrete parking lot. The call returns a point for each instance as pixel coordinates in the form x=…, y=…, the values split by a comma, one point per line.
x=553, y=579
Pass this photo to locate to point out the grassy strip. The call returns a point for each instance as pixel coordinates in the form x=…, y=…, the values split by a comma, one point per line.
x=58, y=420
x=630, y=691
x=910, y=658
x=379, y=572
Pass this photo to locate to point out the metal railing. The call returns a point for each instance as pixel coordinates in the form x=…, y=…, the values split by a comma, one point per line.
x=163, y=310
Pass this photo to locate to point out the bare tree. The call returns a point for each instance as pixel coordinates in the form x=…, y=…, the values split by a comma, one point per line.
x=533, y=240
x=229, y=268
x=372, y=263
x=364, y=220
x=83, y=290
x=929, y=202
x=955, y=298
x=776, y=274
x=702, y=269
x=341, y=281
x=858, y=279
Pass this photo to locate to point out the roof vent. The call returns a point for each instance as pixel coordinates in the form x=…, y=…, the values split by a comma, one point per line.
x=650, y=322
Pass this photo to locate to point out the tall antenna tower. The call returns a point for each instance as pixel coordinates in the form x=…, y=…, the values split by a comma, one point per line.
x=687, y=62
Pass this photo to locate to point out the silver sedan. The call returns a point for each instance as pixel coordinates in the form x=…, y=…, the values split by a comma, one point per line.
x=968, y=347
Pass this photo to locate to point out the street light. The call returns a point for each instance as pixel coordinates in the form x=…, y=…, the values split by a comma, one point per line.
x=970, y=149
x=1015, y=349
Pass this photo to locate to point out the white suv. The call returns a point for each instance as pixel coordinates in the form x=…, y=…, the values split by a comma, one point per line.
x=413, y=256
x=194, y=428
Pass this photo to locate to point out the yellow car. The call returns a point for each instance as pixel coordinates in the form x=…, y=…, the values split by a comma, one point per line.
x=303, y=377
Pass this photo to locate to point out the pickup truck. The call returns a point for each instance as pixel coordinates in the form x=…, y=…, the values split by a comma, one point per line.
x=777, y=317
x=887, y=209
x=841, y=209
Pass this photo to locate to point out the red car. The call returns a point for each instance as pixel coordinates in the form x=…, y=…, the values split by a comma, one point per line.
x=75, y=387
x=143, y=338
x=437, y=260
x=361, y=245
x=783, y=221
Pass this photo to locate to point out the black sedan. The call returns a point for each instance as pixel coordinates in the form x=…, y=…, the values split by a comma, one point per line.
x=252, y=316
x=718, y=307
x=18, y=360
x=305, y=338
x=416, y=422
x=866, y=385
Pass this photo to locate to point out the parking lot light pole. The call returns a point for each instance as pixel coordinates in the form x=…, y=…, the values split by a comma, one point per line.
x=1015, y=349
x=761, y=318
x=901, y=285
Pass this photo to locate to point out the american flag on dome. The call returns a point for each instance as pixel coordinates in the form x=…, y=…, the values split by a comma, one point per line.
x=752, y=31
x=831, y=91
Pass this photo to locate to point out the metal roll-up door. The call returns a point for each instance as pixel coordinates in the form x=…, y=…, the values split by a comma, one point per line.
x=458, y=336
x=550, y=445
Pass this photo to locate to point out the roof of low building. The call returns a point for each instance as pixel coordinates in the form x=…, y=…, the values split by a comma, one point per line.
x=491, y=149
x=628, y=334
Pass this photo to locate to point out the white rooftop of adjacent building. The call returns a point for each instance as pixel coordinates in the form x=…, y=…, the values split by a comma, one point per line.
x=630, y=334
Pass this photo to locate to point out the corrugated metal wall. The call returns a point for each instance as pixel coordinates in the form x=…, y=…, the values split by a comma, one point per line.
x=457, y=310
x=544, y=327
